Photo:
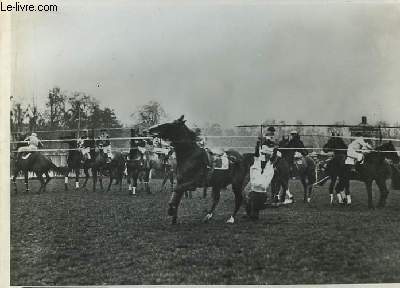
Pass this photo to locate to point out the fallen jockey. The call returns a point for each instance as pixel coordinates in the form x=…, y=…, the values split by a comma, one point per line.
x=260, y=179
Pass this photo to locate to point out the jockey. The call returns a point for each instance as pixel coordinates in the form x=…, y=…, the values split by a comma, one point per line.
x=104, y=143
x=33, y=143
x=295, y=142
x=357, y=149
x=84, y=145
x=266, y=148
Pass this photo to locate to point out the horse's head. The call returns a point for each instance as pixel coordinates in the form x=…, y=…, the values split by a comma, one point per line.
x=389, y=151
x=333, y=144
x=175, y=131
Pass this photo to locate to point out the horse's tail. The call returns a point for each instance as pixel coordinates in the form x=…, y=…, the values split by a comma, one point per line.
x=59, y=170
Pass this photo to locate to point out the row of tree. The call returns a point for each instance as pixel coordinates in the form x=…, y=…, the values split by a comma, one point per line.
x=62, y=111
x=78, y=110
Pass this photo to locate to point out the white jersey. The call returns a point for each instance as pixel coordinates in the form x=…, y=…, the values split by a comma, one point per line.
x=355, y=150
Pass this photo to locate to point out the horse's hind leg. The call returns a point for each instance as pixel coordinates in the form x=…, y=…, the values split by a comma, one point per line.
x=383, y=192
x=14, y=180
x=48, y=178
x=42, y=183
x=77, y=172
x=216, y=193
x=305, y=188
x=331, y=186
x=86, y=171
x=109, y=184
x=368, y=185
x=205, y=192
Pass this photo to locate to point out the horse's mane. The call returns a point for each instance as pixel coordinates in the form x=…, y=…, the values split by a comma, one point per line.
x=192, y=134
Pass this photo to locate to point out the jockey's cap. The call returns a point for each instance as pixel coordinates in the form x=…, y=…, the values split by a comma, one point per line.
x=294, y=132
x=264, y=149
x=271, y=129
x=34, y=134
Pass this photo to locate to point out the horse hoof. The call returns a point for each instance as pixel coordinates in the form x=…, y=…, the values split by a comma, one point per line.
x=207, y=217
x=231, y=220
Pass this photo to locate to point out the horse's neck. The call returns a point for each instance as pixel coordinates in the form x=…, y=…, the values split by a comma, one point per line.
x=184, y=149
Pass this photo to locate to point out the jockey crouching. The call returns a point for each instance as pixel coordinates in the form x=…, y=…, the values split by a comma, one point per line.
x=355, y=157
x=83, y=145
x=261, y=173
x=357, y=149
x=105, y=145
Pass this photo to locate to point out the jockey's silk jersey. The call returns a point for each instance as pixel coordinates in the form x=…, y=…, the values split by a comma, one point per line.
x=353, y=150
x=359, y=144
x=104, y=140
x=33, y=141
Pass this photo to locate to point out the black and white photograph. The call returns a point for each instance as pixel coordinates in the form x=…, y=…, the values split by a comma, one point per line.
x=200, y=142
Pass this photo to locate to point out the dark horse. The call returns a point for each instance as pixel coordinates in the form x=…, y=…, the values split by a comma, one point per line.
x=74, y=160
x=97, y=164
x=375, y=168
x=35, y=162
x=304, y=168
x=192, y=168
x=336, y=167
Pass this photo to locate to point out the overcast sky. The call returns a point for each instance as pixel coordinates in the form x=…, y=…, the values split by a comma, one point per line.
x=226, y=62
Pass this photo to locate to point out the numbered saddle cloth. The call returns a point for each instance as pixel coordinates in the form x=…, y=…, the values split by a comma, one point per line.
x=221, y=162
x=260, y=179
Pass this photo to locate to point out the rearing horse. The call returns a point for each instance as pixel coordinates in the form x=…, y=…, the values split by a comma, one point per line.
x=192, y=168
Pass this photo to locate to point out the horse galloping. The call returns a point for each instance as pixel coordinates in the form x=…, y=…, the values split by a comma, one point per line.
x=192, y=168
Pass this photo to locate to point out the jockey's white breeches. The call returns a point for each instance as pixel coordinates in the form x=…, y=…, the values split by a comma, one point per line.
x=355, y=155
x=107, y=150
x=27, y=148
x=86, y=152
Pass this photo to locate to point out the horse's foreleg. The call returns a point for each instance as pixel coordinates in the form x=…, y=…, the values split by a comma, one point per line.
x=42, y=184
x=26, y=181
x=174, y=204
x=77, y=172
x=383, y=192
x=146, y=181
x=305, y=188
x=94, y=172
x=86, y=171
x=66, y=179
x=331, y=186
x=205, y=192
x=101, y=181
x=368, y=185
x=48, y=178
x=14, y=180
x=216, y=193
x=237, y=190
